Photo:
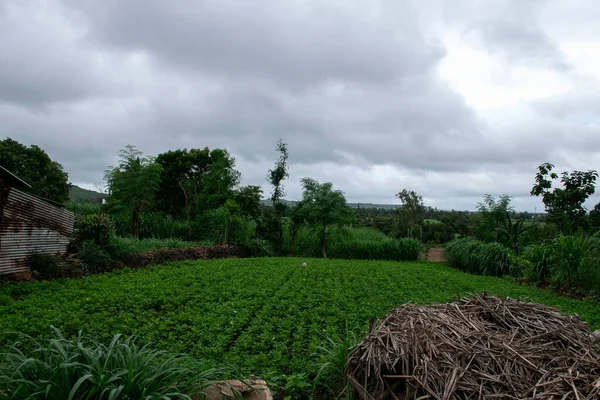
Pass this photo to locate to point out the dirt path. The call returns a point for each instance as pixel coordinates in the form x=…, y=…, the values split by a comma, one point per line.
x=434, y=254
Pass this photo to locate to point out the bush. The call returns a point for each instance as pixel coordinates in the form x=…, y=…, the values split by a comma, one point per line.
x=98, y=228
x=45, y=266
x=94, y=258
x=77, y=369
x=152, y=226
x=261, y=248
x=84, y=208
x=476, y=257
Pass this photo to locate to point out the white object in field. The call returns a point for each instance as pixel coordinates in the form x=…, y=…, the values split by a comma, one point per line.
x=304, y=264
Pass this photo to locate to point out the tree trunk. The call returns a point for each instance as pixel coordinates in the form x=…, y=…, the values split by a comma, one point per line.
x=135, y=222
x=323, y=246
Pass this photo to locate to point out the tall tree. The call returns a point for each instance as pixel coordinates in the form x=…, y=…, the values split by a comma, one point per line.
x=565, y=206
x=322, y=206
x=133, y=183
x=411, y=209
x=277, y=175
x=32, y=164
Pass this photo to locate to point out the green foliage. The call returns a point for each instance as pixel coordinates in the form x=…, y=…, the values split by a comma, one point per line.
x=265, y=316
x=539, y=256
x=356, y=243
x=83, y=208
x=261, y=248
x=152, y=226
x=411, y=209
x=62, y=368
x=33, y=165
x=129, y=245
x=476, y=257
x=133, y=183
x=248, y=198
x=565, y=206
x=195, y=181
x=45, y=266
x=98, y=228
x=331, y=359
x=94, y=258
x=567, y=261
x=322, y=206
x=497, y=222
x=277, y=175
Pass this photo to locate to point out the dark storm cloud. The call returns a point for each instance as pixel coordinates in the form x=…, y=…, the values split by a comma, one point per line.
x=292, y=43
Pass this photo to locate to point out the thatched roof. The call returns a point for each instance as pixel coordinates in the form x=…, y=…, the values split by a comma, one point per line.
x=478, y=348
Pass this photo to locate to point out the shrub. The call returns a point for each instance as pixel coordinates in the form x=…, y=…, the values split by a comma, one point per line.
x=476, y=257
x=45, y=266
x=98, y=228
x=78, y=369
x=260, y=248
x=94, y=258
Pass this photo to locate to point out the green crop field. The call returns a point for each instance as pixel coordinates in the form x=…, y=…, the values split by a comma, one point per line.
x=265, y=316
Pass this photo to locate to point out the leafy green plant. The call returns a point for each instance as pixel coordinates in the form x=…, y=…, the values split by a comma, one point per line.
x=98, y=228
x=575, y=261
x=266, y=316
x=476, y=257
x=44, y=266
x=61, y=368
x=331, y=360
x=94, y=258
x=540, y=258
x=261, y=248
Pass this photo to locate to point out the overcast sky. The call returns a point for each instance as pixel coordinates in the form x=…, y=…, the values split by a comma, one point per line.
x=452, y=99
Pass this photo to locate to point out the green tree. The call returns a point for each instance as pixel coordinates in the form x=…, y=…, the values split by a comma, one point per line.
x=322, y=206
x=411, y=209
x=195, y=180
x=275, y=177
x=248, y=198
x=565, y=206
x=498, y=218
x=133, y=183
x=33, y=165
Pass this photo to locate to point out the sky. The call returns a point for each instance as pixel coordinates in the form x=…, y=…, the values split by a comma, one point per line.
x=451, y=99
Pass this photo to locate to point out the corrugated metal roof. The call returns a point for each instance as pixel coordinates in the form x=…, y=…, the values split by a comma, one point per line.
x=30, y=225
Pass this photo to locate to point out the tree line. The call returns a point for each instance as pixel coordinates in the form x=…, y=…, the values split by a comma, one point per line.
x=203, y=185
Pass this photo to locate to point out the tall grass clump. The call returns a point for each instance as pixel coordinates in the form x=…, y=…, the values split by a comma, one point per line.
x=125, y=245
x=476, y=257
x=356, y=243
x=67, y=369
x=567, y=261
x=83, y=208
x=152, y=226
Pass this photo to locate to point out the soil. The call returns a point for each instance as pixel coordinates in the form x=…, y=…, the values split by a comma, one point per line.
x=434, y=254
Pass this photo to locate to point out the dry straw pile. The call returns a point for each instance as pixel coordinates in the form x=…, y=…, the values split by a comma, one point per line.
x=478, y=348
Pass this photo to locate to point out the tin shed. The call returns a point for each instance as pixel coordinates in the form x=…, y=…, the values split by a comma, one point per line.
x=29, y=224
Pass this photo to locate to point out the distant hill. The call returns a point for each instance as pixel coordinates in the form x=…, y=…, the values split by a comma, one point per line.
x=81, y=195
